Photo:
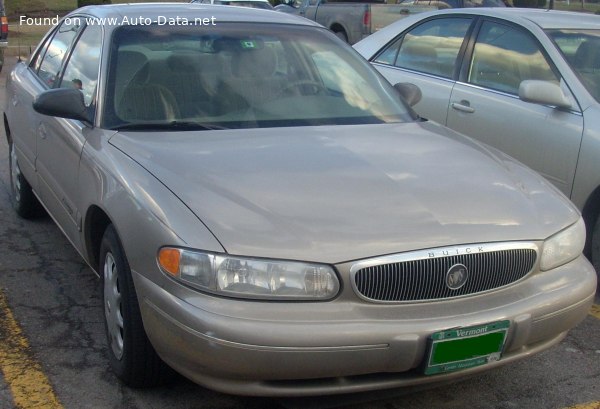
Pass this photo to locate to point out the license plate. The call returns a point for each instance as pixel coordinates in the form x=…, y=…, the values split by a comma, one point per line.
x=462, y=348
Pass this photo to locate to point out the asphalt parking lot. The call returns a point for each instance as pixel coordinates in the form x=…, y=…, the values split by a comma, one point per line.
x=52, y=343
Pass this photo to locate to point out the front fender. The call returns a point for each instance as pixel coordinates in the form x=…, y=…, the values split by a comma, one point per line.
x=144, y=212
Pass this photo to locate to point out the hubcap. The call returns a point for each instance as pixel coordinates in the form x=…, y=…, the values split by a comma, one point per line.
x=112, y=306
x=15, y=172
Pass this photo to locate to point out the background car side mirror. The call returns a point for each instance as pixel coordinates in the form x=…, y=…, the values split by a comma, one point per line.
x=409, y=92
x=63, y=103
x=544, y=93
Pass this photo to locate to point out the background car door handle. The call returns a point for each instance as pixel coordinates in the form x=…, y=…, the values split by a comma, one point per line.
x=463, y=106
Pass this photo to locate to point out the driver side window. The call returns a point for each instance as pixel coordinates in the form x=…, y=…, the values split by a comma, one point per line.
x=83, y=66
x=431, y=47
x=52, y=61
x=504, y=57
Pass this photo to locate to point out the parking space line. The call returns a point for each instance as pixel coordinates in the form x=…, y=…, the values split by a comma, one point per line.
x=29, y=386
x=595, y=311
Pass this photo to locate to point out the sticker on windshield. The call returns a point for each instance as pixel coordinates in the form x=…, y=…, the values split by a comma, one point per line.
x=248, y=44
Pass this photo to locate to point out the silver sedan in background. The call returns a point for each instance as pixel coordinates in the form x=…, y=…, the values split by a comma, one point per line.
x=258, y=4
x=268, y=217
x=524, y=81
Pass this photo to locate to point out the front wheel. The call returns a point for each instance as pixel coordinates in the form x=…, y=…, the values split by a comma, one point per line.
x=131, y=356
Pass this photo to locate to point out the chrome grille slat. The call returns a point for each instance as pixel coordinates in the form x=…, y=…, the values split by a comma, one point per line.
x=425, y=278
x=488, y=264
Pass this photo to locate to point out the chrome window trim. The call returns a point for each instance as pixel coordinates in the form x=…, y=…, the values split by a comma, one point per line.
x=437, y=77
x=513, y=96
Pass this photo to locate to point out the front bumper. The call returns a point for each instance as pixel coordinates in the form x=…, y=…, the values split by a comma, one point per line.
x=347, y=345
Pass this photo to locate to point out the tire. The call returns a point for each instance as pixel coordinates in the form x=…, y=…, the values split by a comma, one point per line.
x=596, y=248
x=341, y=35
x=21, y=195
x=131, y=356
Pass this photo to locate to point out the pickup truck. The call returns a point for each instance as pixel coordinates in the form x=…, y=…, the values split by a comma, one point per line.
x=3, y=32
x=352, y=21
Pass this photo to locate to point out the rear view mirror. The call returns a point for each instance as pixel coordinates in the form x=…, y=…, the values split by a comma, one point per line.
x=543, y=93
x=62, y=103
x=409, y=92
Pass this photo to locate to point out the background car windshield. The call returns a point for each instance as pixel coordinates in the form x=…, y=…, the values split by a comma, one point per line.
x=484, y=3
x=242, y=76
x=581, y=49
x=253, y=4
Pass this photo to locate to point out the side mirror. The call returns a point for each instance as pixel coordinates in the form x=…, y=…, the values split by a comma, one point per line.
x=543, y=93
x=409, y=92
x=63, y=103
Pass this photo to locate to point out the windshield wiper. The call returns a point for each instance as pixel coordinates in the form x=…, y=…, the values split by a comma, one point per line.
x=173, y=125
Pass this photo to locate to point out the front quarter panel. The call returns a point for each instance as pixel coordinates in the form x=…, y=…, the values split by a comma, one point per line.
x=21, y=88
x=587, y=174
x=144, y=212
x=436, y=91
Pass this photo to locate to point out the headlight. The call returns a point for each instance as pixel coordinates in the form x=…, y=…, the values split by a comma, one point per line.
x=249, y=277
x=563, y=246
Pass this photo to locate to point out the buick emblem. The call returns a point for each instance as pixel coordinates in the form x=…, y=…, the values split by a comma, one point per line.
x=457, y=276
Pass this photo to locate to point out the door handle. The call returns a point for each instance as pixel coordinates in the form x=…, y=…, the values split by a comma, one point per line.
x=463, y=106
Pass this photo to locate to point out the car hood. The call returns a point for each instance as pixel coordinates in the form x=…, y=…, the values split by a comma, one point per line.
x=340, y=193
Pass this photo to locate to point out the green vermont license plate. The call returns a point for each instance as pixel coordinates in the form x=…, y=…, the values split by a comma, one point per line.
x=463, y=348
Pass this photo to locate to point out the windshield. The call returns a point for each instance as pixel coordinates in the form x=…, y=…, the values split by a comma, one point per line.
x=241, y=75
x=581, y=49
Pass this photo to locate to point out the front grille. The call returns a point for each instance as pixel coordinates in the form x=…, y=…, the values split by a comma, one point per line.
x=425, y=278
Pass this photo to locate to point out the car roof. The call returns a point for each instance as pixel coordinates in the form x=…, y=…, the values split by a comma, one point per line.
x=191, y=11
x=546, y=19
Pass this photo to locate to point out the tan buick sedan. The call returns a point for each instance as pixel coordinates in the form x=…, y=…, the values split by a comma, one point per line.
x=269, y=217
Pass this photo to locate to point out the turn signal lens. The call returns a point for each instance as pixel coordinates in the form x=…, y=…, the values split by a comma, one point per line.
x=169, y=258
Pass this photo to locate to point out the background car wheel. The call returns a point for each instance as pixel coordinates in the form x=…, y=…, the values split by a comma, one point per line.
x=596, y=248
x=23, y=200
x=131, y=355
x=341, y=35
